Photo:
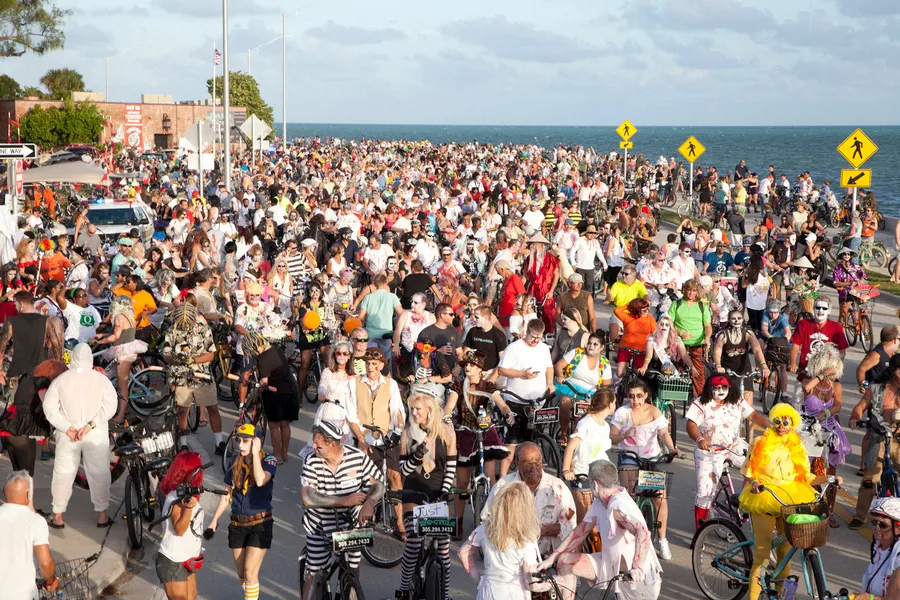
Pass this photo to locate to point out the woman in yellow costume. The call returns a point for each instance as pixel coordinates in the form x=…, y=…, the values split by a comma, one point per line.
x=778, y=461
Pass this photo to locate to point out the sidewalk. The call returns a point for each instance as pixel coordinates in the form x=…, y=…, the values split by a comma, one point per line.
x=82, y=539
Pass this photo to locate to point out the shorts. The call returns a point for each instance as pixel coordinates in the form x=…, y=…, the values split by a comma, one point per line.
x=517, y=432
x=625, y=355
x=170, y=571
x=255, y=536
x=614, y=320
x=205, y=395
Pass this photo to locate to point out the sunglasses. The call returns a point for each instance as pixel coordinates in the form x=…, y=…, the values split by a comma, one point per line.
x=879, y=524
x=342, y=354
x=361, y=340
x=786, y=421
x=821, y=309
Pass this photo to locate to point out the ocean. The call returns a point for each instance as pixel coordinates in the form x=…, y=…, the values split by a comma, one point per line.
x=791, y=149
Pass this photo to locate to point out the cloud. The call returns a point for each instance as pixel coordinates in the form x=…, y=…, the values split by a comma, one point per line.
x=869, y=8
x=213, y=10
x=520, y=41
x=698, y=15
x=699, y=53
x=355, y=36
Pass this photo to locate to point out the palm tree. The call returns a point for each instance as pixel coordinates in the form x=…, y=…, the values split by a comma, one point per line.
x=62, y=82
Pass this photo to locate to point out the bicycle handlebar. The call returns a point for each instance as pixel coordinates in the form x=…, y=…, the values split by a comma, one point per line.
x=253, y=384
x=646, y=463
x=832, y=481
x=547, y=395
x=721, y=447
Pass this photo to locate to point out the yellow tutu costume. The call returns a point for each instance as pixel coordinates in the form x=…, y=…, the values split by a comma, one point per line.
x=779, y=462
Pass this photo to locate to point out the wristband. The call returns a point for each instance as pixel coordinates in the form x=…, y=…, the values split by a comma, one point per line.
x=91, y=425
x=53, y=581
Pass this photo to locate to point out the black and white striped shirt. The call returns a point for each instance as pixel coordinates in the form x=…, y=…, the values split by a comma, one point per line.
x=354, y=474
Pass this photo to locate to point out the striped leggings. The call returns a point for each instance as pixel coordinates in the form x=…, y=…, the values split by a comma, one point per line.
x=411, y=557
x=318, y=553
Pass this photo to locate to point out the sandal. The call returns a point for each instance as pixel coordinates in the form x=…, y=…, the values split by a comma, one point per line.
x=860, y=472
x=856, y=523
x=203, y=423
x=833, y=522
x=54, y=525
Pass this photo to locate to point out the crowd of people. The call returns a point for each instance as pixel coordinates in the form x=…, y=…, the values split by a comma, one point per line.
x=442, y=289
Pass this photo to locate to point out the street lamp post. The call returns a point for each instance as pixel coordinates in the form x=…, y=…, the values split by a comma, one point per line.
x=258, y=48
x=226, y=98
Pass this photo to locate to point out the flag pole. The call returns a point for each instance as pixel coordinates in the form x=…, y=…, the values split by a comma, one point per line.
x=214, y=119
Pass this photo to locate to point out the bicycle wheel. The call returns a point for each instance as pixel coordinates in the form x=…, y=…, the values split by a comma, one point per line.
x=350, y=587
x=765, y=394
x=311, y=391
x=673, y=422
x=850, y=327
x=223, y=384
x=194, y=418
x=149, y=393
x=149, y=508
x=685, y=209
x=712, y=553
x=550, y=451
x=434, y=579
x=231, y=451
x=723, y=506
x=670, y=199
x=133, y=517
x=879, y=257
x=865, y=332
x=479, y=499
x=648, y=511
x=386, y=550
x=815, y=574
x=892, y=265
x=301, y=572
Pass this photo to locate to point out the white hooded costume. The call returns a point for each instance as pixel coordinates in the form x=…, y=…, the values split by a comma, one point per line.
x=76, y=398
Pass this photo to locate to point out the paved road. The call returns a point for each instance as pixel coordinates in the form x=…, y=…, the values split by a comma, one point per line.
x=845, y=557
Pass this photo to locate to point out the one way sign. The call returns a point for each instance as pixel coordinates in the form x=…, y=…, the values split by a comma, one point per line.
x=18, y=151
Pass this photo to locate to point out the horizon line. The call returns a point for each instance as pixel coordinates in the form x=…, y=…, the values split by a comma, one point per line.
x=572, y=126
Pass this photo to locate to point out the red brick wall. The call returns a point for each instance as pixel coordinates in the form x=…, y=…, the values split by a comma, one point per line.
x=181, y=115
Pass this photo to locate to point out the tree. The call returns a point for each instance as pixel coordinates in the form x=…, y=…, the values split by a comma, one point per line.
x=34, y=25
x=62, y=82
x=30, y=90
x=72, y=123
x=244, y=92
x=9, y=88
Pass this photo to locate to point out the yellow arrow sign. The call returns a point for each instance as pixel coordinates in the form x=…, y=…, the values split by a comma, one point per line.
x=626, y=145
x=626, y=130
x=857, y=148
x=856, y=178
x=692, y=149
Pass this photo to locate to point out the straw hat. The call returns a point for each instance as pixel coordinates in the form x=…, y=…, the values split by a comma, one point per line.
x=590, y=229
x=802, y=263
x=538, y=238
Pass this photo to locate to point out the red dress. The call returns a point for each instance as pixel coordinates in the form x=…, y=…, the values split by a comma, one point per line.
x=540, y=282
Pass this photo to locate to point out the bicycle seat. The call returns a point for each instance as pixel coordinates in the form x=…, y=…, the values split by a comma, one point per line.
x=129, y=451
x=160, y=464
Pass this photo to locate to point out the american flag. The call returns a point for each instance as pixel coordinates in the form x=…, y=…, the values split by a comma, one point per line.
x=218, y=57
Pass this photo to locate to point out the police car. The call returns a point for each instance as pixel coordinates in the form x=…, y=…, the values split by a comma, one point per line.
x=112, y=218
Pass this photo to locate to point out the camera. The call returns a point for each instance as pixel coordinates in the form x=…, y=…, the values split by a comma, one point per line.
x=184, y=490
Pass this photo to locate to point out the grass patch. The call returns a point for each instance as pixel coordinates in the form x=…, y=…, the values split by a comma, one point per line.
x=670, y=216
x=884, y=282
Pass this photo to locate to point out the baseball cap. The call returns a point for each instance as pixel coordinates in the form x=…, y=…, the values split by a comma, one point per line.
x=329, y=429
x=576, y=278
x=247, y=430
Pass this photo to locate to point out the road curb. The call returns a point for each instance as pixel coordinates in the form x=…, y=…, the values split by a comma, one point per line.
x=112, y=559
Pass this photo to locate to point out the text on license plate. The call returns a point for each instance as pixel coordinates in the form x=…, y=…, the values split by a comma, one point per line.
x=344, y=541
x=651, y=481
x=581, y=408
x=437, y=527
x=545, y=415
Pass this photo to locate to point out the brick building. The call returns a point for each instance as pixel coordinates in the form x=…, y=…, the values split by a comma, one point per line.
x=155, y=122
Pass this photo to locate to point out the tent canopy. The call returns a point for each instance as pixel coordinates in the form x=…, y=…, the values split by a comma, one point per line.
x=69, y=172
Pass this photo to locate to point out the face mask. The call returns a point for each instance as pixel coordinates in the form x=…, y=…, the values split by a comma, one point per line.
x=792, y=240
x=821, y=316
x=720, y=394
x=736, y=322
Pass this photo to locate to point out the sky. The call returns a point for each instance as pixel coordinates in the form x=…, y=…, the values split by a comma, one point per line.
x=504, y=62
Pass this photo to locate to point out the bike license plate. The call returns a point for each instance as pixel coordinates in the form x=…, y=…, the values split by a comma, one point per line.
x=345, y=541
x=437, y=527
x=542, y=416
x=581, y=409
x=432, y=511
x=651, y=481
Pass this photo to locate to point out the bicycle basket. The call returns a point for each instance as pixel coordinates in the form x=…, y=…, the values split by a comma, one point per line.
x=864, y=292
x=74, y=583
x=778, y=355
x=675, y=388
x=807, y=535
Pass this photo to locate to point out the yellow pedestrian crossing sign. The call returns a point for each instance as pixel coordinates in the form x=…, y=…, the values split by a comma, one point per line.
x=626, y=130
x=856, y=178
x=626, y=145
x=692, y=149
x=857, y=148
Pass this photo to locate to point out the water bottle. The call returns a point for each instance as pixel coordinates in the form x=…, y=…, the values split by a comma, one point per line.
x=484, y=421
x=789, y=588
x=668, y=369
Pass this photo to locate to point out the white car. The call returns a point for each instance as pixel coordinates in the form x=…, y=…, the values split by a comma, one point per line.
x=112, y=218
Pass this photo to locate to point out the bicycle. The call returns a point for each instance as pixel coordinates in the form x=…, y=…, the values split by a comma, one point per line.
x=649, y=486
x=771, y=387
x=479, y=483
x=858, y=324
x=386, y=549
x=250, y=412
x=691, y=208
x=347, y=538
x=889, y=484
x=149, y=392
x=432, y=521
x=555, y=593
x=224, y=363
x=541, y=423
x=723, y=573
x=725, y=500
x=873, y=255
x=668, y=389
x=145, y=458
x=186, y=490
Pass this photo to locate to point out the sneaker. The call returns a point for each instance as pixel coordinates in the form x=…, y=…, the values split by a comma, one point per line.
x=220, y=449
x=662, y=549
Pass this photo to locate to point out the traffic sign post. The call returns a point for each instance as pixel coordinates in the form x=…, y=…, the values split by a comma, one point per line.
x=18, y=150
x=857, y=149
x=625, y=131
x=691, y=150
x=19, y=171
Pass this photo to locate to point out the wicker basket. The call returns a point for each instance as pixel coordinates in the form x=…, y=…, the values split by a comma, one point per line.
x=807, y=535
x=806, y=305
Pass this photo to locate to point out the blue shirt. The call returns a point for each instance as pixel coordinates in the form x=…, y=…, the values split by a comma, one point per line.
x=778, y=327
x=742, y=258
x=718, y=264
x=257, y=499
